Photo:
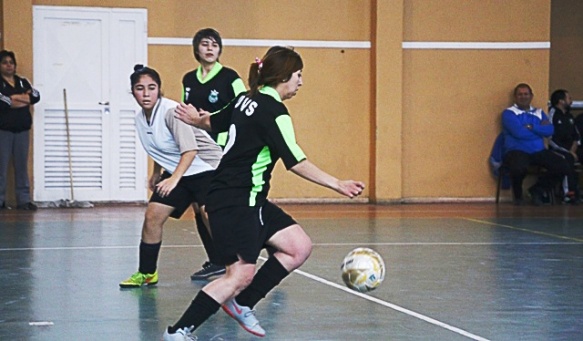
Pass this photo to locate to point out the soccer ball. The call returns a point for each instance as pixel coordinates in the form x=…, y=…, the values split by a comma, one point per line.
x=363, y=269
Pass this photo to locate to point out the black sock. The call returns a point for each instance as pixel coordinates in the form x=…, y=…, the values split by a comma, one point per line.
x=149, y=257
x=267, y=278
x=205, y=237
x=201, y=308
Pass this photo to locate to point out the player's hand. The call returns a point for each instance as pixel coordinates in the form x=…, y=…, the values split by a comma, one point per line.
x=187, y=113
x=153, y=181
x=350, y=188
x=164, y=187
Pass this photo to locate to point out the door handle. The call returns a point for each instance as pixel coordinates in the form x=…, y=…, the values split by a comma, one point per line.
x=106, y=106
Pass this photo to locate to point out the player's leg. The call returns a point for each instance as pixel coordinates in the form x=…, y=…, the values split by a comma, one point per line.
x=209, y=269
x=235, y=237
x=292, y=247
x=158, y=211
x=208, y=301
x=155, y=217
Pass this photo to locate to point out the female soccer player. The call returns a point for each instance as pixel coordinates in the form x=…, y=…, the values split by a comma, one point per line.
x=188, y=156
x=242, y=219
x=209, y=87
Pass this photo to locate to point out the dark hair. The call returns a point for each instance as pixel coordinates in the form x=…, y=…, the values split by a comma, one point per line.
x=141, y=70
x=206, y=33
x=522, y=85
x=557, y=96
x=6, y=53
x=277, y=66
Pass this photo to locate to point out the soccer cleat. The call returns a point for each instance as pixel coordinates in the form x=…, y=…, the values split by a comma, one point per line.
x=208, y=270
x=183, y=334
x=245, y=316
x=138, y=279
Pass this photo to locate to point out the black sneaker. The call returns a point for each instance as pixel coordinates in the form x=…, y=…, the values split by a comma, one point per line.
x=29, y=206
x=536, y=194
x=4, y=207
x=208, y=270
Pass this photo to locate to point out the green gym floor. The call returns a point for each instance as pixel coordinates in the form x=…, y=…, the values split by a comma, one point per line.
x=454, y=272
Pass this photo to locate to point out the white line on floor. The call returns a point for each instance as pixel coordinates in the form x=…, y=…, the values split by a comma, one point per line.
x=390, y=305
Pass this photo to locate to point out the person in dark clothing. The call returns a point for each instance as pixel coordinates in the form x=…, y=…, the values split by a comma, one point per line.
x=16, y=97
x=566, y=140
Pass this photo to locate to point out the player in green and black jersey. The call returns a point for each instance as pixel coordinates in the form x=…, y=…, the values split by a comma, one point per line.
x=210, y=87
x=242, y=219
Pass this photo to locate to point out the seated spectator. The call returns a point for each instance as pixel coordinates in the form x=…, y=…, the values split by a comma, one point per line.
x=566, y=139
x=525, y=129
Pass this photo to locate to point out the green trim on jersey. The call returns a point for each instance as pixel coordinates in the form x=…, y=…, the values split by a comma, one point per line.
x=267, y=90
x=238, y=86
x=222, y=138
x=284, y=123
x=216, y=68
x=257, y=171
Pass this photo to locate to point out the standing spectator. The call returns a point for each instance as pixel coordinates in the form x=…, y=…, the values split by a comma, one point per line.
x=525, y=129
x=566, y=138
x=16, y=97
x=210, y=87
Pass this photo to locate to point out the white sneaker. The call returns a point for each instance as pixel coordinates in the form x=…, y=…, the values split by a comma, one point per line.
x=183, y=334
x=245, y=316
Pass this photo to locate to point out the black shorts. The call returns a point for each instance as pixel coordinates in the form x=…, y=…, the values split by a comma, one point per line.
x=190, y=189
x=243, y=230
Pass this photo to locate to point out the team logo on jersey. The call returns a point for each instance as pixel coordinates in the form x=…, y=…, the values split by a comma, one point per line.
x=214, y=96
x=186, y=93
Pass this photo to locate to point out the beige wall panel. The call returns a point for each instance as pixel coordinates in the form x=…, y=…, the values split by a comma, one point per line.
x=567, y=47
x=331, y=118
x=474, y=20
x=386, y=163
x=249, y=19
x=453, y=100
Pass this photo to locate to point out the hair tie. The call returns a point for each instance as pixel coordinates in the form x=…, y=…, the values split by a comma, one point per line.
x=259, y=63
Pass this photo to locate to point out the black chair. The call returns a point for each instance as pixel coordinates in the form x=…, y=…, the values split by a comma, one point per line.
x=531, y=170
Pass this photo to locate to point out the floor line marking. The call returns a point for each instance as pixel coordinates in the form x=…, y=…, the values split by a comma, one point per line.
x=390, y=305
x=576, y=242
x=558, y=236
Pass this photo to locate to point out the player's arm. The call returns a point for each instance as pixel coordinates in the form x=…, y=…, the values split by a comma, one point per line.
x=188, y=114
x=186, y=142
x=155, y=177
x=311, y=172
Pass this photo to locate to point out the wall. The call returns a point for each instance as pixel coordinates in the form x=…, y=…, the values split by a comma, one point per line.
x=453, y=97
x=566, y=70
x=415, y=124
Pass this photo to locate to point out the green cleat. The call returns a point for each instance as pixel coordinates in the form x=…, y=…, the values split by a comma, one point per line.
x=138, y=279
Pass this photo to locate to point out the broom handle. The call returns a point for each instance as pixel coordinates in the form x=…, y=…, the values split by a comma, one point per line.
x=68, y=143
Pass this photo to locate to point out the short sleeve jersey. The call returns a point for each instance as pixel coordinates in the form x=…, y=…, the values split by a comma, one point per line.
x=214, y=92
x=260, y=132
x=165, y=139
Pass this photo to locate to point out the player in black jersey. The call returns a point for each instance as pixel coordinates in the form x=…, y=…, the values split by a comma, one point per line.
x=242, y=219
x=209, y=87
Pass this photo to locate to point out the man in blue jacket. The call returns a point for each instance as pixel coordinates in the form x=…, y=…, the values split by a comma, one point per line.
x=525, y=129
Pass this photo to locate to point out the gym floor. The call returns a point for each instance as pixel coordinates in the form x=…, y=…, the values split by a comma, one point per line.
x=454, y=272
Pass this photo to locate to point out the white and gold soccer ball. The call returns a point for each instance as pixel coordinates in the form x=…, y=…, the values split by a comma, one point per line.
x=363, y=269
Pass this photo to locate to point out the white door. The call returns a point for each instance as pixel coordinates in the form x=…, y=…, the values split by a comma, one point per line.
x=90, y=52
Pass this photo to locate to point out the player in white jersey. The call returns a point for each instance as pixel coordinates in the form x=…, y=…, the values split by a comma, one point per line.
x=187, y=155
